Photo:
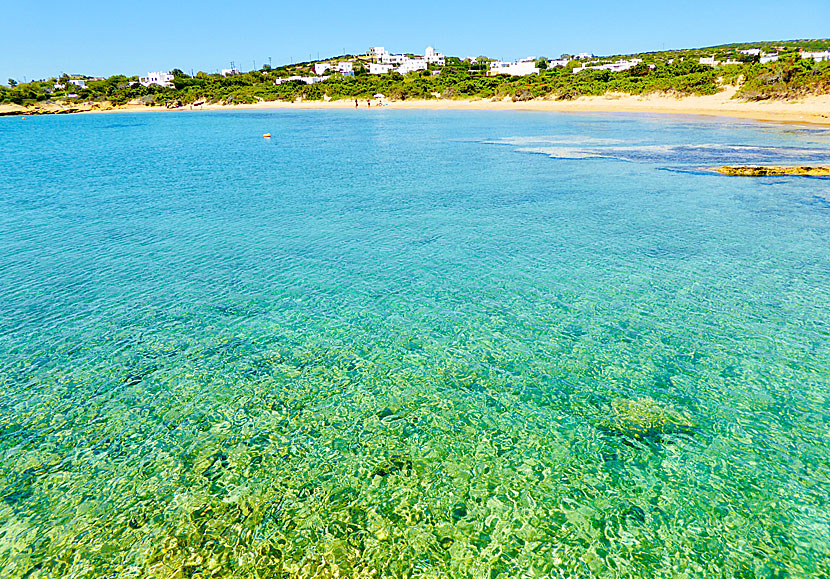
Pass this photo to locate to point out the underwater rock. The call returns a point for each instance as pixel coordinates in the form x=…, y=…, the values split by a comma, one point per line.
x=137, y=376
x=395, y=464
x=645, y=417
x=772, y=170
x=459, y=512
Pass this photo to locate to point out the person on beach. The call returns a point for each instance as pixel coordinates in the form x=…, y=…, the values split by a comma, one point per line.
x=355, y=103
x=368, y=103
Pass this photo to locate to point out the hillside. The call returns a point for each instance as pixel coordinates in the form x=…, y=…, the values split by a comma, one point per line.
x=678, y=72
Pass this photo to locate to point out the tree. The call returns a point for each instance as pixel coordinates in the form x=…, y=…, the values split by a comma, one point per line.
x=12, y=83
x=640, y=69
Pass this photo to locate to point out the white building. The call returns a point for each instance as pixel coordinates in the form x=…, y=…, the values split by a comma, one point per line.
x=375, y=68
x=751, y=51
x=817, y=56
x=584, y=56
x=709, y=61
x=164, y=79
x=411, y=65
x=345, y=67
x=394, y=59
x=617, y=66
x=321, y=67
x=519, y=68
x=78, y=82
x=229, y=71
x=433, y=57
x=560, y=62
x=772, y=57
x=305, y=79
x=377, y=53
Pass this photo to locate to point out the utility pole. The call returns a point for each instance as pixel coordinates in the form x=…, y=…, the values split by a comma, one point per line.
x=269, y=62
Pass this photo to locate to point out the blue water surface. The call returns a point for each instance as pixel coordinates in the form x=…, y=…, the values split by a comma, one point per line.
x=390, y=343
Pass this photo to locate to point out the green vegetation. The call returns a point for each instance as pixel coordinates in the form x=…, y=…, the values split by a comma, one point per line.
x=674, y=71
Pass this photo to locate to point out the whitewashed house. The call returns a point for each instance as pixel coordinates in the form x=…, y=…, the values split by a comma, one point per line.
x=519, y=68
x=80, y=83
x=817, y=56
x=563, y=62
x=394, y=59
x=433, y=57
x=345, y=67
x=377, y=53
x=377, y=68
x=751, y=51
x=321, y=67
x=411, y=65
x=164, y=79
x=771, y=57
x=617, y=66
x=304, y=79
x=709, y=61
x=229, y=71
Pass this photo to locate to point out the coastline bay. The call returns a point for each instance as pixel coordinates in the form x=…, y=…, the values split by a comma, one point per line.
x=412, y=343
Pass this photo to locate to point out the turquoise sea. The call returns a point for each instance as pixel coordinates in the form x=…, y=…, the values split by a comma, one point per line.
x=412, y=344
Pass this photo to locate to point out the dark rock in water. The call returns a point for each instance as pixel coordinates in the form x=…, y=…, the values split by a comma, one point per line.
x=395, y=464
x=459, y=512
x=636, y=514
x=342, y=497
x=385, y=413
x=135, y=377
x=218, y=463
x=21, y=489
x=772, y=170
x=446, y=542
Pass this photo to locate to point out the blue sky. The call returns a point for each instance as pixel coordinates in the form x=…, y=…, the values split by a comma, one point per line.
x=108, y=37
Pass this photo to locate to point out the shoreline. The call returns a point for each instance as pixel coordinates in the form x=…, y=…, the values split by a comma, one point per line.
x=814, y=110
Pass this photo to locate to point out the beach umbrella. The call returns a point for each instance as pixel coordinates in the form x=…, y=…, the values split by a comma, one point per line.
x=379, y=96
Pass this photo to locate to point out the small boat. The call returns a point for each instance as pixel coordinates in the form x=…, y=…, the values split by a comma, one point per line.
x=266, y=136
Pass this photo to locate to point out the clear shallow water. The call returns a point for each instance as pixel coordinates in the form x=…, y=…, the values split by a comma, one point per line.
x=411, y=344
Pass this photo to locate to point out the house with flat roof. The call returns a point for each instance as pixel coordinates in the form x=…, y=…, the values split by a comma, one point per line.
x=433, y=57
x=817, y=56
x=518, y=68
x=618, y=66
x=377, y=53
x=164, y=79
x=411, y=65
x=303, y=79
x=378, y=68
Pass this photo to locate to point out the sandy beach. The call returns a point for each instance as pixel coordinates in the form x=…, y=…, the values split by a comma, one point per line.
x=812, y=110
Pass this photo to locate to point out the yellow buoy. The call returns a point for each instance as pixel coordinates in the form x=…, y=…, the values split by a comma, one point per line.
x=267, y=135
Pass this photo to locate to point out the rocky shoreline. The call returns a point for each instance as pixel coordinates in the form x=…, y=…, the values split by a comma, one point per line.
x=773, y=170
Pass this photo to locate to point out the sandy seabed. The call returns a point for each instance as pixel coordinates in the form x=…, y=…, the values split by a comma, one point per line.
x=813, y=109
